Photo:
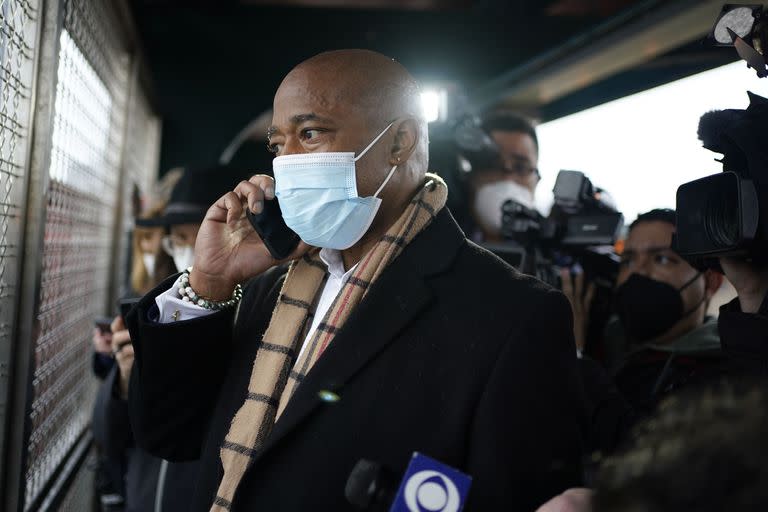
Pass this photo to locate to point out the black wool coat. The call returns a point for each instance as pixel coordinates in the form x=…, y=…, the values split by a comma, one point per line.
x=452, y=353
x=134, y=473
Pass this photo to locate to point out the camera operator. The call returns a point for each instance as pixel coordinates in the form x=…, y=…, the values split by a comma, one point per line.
x=514, y=175
x=740, y=136
x=505, y=168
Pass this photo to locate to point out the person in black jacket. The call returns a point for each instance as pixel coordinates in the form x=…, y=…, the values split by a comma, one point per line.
x=661, y=301
x=743, y=322
x=149, y=483
x=431, y=343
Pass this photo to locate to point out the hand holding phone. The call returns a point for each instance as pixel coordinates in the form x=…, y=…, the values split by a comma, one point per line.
x=228, y=250
x=271, y=227
x=103, y=323
x=102, y=336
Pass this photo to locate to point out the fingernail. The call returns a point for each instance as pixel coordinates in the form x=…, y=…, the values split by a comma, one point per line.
x=270, y=192
x=257, y=207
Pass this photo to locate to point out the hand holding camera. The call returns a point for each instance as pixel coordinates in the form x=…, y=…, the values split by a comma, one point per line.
x=750, y=281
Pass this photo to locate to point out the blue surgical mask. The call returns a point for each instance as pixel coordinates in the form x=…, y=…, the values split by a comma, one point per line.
x=318, y=196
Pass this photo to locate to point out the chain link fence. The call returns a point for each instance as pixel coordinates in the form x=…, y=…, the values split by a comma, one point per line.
x=101, y=137
x=18, y=34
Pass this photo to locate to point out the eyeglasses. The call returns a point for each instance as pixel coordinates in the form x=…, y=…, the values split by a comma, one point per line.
x=171, y=244
x=517, y=165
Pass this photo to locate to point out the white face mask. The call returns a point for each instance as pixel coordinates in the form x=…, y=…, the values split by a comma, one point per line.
x=183, y=257
x=490, y=198
x=149, y=263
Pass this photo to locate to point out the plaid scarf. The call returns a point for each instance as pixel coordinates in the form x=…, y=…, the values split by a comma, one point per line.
x=273, y=380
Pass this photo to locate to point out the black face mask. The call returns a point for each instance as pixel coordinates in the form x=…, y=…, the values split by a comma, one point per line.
x=648, y=308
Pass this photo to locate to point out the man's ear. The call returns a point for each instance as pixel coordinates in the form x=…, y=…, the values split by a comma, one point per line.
x=713, y=280
x=406, y=139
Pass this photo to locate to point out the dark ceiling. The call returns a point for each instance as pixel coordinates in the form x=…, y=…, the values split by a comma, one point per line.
x=216, y=64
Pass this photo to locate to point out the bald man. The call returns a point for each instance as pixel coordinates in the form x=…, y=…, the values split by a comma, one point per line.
x=384, y=333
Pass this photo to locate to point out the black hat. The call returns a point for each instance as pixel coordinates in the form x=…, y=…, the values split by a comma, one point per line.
x=195, y=192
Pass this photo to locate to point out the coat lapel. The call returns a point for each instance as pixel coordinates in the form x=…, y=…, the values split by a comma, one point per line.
x=398, y=296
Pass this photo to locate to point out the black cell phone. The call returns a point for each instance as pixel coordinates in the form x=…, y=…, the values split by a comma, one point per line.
x=276, y=235
x=126, y=305
x=103, y=324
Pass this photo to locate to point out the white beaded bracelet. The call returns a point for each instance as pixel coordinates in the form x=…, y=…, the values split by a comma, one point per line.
x=187, y=294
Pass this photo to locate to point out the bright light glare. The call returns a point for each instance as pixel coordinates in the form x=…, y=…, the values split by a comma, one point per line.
x=642, y=147
x=431, y=104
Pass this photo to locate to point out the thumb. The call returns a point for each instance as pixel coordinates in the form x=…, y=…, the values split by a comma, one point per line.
x=118, y=324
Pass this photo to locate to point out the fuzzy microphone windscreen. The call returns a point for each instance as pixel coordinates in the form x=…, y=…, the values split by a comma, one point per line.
x=713, y=125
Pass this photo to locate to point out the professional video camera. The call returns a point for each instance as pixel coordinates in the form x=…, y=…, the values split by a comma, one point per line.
x=727, y=214
x=580, y=231
x=582, y=228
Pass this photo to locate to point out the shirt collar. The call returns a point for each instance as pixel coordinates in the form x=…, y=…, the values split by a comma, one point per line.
x=335, y=263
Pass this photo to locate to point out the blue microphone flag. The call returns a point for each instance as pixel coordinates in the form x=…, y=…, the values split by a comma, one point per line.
x=431, y=486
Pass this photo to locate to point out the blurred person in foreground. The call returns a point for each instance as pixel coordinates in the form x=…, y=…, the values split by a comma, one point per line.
x=391, y=334
x=148, y=482
x=703, y=450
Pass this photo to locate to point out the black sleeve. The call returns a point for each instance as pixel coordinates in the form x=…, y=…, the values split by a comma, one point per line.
x=528, y=434
x=181, y=366
x=112, y=430
x=610, y=415
x=101, y=364
x=176, y=377
x=744, y=337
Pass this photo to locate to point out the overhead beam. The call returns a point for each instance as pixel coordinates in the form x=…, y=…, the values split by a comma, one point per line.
x=414, y=5
x=634, y=38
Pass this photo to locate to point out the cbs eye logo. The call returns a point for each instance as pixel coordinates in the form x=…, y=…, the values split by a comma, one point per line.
x=431, y=491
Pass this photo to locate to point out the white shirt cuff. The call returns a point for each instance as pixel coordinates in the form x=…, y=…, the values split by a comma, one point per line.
x=173, y=309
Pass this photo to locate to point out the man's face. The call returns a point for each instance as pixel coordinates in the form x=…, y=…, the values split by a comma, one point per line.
x=518, y=161
x=648, y=252
x=312, y=115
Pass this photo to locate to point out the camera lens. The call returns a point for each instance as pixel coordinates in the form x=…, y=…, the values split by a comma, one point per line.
x=721, y=222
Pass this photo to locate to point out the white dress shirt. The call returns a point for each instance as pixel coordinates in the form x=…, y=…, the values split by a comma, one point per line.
x=172, y=308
